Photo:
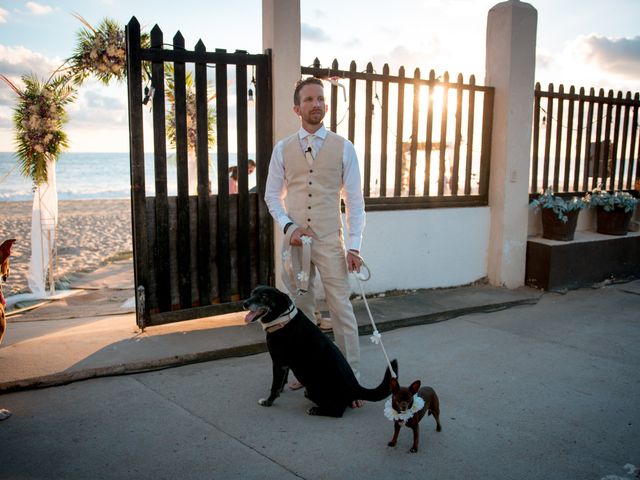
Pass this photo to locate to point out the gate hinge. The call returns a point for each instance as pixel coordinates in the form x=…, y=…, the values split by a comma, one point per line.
x=140, y=307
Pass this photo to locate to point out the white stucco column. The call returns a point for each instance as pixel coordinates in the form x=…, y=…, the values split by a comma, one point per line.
x=281, y=33
x=511, y=56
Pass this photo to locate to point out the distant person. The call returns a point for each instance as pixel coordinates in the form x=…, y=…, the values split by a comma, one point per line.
x=5, y=253
x=233, y=176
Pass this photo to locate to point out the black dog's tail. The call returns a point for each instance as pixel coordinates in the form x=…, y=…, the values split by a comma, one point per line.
x=383, y=390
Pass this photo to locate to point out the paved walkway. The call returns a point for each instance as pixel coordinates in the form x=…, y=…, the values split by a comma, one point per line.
x=531, y=386
x=90, y=335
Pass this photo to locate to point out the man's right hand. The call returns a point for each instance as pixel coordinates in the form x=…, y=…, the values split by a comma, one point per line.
x=296, y=237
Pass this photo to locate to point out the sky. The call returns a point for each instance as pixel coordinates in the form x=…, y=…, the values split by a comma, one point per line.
x=587, y=43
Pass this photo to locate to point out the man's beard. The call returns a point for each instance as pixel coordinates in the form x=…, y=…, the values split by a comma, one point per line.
x=315, y=118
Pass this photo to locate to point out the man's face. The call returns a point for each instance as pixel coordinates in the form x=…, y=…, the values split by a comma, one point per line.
x=312, y=107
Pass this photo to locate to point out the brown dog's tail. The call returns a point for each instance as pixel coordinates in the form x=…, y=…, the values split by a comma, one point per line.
x=383, y=390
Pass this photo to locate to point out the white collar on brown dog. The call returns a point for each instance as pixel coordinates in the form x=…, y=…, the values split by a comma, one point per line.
x=281, y=321
x=392, y=414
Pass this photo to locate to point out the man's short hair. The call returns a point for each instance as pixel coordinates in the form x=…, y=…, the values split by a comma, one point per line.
x=302, y=83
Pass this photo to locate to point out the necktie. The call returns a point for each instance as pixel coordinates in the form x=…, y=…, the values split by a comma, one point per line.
x=309, y=153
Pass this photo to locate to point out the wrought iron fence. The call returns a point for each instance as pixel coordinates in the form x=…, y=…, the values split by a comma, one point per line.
x=584, y=141
x=433, y=151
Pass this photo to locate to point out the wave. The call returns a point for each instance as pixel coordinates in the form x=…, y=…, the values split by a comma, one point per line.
x=70, y=195
x=81, y=176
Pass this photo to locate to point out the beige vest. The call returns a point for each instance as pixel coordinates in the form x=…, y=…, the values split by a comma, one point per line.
x=313, y=192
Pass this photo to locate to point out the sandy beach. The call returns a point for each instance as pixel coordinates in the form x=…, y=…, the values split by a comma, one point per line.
x=89, y=233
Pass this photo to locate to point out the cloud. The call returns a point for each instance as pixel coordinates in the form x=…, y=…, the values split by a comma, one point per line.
x=313, y=34
x=397, y=57
x=5, y=122
x=546, y=61
x=38, y=8
x=411, y=59
x=3, y=15
x=98, y=107
x=353, y=43
x=18, y=60
x=618, y=55
x=103, y=102
x=320, y=14
x=592, y=61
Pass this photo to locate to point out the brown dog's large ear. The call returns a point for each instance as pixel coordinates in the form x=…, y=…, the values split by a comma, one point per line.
x=394, y=385
x=414, y=387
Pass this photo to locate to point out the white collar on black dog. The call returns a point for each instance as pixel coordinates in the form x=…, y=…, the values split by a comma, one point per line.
x=281, y=320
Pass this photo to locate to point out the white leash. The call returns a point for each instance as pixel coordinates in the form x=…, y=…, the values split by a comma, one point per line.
x=298, y=282
x=301, y=282
x=376, y=337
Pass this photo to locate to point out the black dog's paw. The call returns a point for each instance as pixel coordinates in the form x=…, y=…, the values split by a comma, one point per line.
x=413, y=450
x=391, y=444
x=265, y=402
x=324, y=412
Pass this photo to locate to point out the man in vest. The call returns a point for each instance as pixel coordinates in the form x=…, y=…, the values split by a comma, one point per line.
x=309, y=172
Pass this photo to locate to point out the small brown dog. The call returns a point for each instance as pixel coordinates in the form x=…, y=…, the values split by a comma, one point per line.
x=407, y=406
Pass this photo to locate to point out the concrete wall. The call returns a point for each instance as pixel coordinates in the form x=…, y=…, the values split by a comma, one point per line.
x=432, y=248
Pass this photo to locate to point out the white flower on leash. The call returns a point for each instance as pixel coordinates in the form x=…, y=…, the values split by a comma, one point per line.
x=393, y=415
x=376, y=338
x=286, y=255
x=306, y=240
x=303, y=277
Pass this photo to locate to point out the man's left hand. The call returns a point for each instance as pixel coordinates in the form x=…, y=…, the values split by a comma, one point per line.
x=353, y=261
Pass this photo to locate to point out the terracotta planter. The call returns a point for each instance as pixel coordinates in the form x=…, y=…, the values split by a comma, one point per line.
x=615, y=222
x=555, y=229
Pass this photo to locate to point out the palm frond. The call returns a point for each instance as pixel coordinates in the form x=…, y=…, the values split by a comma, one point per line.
x=12, y=85
x=83, y=21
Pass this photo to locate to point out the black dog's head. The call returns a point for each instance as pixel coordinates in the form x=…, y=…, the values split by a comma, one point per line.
x=265, y=304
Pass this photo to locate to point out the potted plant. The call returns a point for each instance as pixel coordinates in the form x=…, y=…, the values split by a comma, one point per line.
x=613, y=211
x=559, y=215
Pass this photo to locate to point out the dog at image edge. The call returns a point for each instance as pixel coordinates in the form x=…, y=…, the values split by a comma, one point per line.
x=404, y=403
x=296, y=343
x=5, y=253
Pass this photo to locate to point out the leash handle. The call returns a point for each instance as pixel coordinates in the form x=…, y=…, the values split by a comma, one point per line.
x=358, y=275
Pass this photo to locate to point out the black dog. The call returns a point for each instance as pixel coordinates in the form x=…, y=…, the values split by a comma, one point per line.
x=296, y=343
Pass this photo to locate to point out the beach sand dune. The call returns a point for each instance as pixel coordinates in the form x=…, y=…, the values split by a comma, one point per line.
x=89, y=233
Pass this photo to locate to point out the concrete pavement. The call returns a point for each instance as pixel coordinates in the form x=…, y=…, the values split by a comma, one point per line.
x=89, y=335
x=545, y=389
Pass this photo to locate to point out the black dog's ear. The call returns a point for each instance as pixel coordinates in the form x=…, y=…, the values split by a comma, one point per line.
x=394, y=385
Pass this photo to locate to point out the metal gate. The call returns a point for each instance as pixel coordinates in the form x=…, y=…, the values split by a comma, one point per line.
x=196, y=255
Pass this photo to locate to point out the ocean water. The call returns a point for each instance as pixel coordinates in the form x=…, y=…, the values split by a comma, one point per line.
x=92, y=176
